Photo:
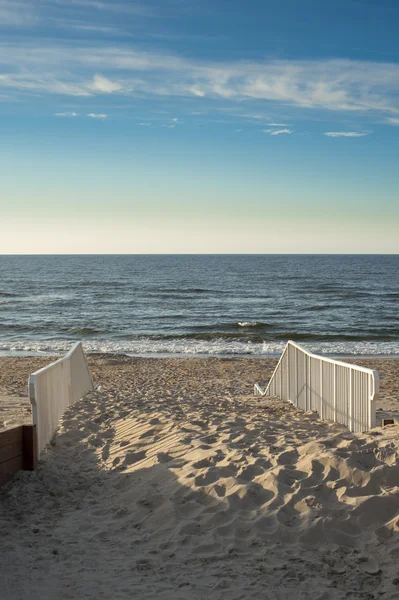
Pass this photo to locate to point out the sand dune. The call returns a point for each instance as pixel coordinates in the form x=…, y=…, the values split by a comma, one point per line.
x=173, y=481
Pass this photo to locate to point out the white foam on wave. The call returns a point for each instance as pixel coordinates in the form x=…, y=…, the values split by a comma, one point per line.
x=247, y=323
x=190, y=347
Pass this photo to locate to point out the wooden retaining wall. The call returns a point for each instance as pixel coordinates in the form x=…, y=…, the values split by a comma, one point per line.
x=18, y=450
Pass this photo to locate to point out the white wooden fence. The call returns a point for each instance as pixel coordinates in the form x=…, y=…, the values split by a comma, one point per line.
x=54, y=388
x=338, y=391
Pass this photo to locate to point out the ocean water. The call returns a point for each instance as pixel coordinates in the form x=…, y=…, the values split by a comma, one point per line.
x=200, y=305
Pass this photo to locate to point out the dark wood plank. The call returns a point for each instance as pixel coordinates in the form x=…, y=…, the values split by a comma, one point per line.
x=10, y=436
x=8, y=468
x=30, y=447
x=11, y=451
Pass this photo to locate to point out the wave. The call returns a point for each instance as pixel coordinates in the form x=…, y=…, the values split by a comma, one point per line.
x=85, y=331
x=189, y=290
x=97, y=283
x=50, y=329
x=256, y=324
x=187, y=347
x=248, y=332
x=367, y=336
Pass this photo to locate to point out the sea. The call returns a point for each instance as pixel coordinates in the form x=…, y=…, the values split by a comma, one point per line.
x=200, y=305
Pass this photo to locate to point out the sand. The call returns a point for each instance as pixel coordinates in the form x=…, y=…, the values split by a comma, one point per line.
x=171, y=481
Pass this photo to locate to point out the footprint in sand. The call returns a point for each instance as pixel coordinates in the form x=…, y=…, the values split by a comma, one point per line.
x=210, y=439
x=105, y=451
x=250, y=472
x=133, y=457
x=220, y=490
x=151, y=432
x=202, y=424
x=288, y=457
x=210, y=461
x=204, y=463
x=164, y=457
x=214, y=474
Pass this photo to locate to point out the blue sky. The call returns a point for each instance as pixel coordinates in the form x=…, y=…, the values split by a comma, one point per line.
x=188, y=126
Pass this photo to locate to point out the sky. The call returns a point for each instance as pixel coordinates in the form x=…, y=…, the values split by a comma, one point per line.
x=199, y=126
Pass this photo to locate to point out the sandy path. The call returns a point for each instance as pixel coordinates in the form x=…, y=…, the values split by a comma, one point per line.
x=173, y=481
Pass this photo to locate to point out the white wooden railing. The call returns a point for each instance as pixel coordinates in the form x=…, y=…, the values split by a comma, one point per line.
x=338, y=391
x=54, y=388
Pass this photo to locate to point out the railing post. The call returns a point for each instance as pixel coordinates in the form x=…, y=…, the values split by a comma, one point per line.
x=288, y=374
x=305, y=379
x=335, y=392
x=351, y=399
x=372, y=398
x=321, y=389
x=296, y=376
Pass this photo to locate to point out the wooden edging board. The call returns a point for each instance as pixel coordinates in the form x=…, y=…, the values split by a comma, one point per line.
x=18, y=450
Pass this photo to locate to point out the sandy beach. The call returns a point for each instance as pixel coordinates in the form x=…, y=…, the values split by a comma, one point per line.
x=171, y=480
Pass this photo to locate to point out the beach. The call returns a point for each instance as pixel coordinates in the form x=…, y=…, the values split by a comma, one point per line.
x=171, y=480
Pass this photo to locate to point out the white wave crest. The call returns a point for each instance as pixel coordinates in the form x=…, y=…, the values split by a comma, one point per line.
x=190, y=347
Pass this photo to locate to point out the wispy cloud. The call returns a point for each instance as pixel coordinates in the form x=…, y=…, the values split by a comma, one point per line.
x=277, y=131
x=131, y=7
x=278, y=124
x=172, y=123
x=17, y=13
x=102, y=84
x=333, y=85
x=345, y=134
x=91, y=28
x=67, y=114
x=97, y=115
x=196, y=91
x=51, y=84
x=393, y=121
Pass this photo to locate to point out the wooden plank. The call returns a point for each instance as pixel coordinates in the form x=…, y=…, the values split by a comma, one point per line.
x=30, y=447
x=10, y=436
x=11, y=451
x=8, y=468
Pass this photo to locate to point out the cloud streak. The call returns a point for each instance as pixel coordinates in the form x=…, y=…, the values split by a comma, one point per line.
x=334, y=134
x=97, y=115
x=277, y=131
x=66, y=114
x=102, y=84
x=17, y=13
x=131, y=7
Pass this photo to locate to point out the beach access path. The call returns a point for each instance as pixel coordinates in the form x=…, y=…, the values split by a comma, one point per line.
x=171, y=480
